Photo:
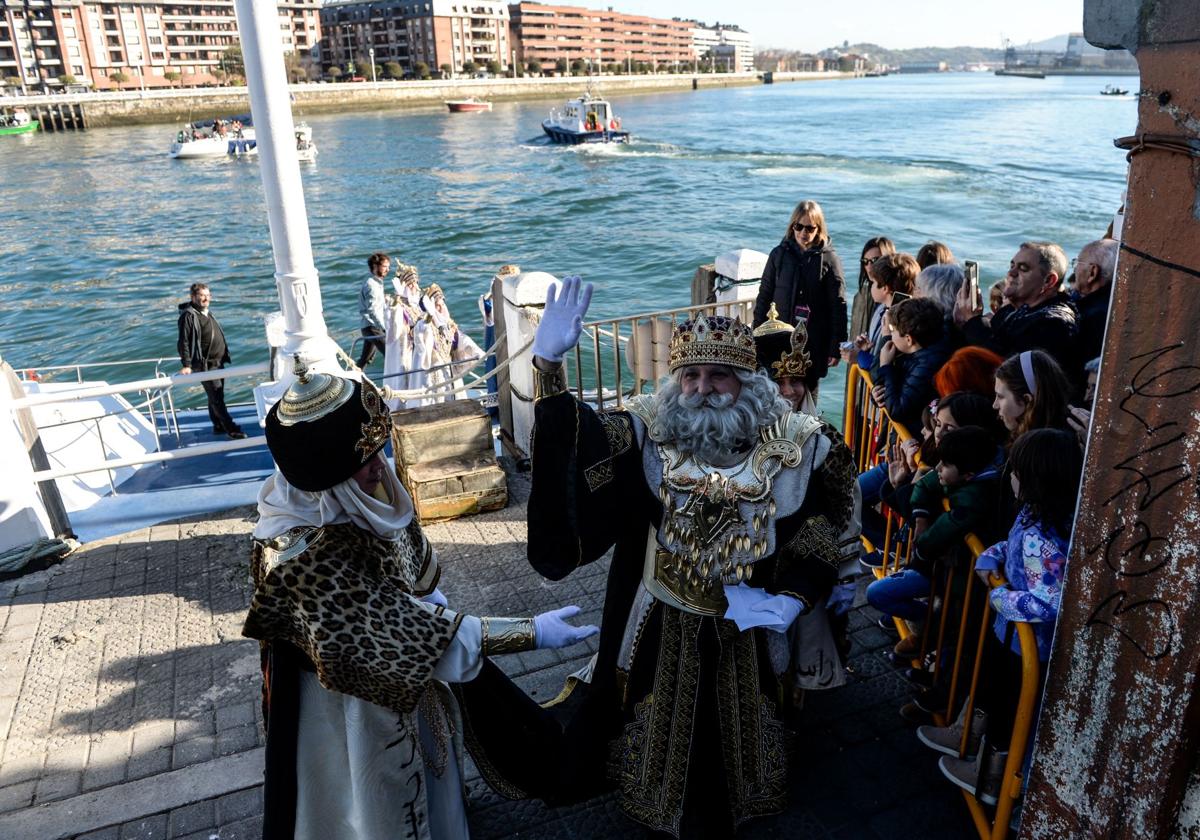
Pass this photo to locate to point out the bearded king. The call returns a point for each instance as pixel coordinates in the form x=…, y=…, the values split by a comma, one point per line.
x=725, y=511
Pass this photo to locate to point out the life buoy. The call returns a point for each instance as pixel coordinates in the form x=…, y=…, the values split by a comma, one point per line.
x=614, y=123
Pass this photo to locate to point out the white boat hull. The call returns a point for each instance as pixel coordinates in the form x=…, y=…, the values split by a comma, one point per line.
x=212, y=147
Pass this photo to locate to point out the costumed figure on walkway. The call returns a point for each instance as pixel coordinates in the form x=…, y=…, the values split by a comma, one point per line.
x=370, y=681
x=453, y=351
x=726, y=510
x=818, y=638
x=409, y=342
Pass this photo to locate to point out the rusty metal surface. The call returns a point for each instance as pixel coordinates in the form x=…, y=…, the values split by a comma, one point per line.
x=1118, y=731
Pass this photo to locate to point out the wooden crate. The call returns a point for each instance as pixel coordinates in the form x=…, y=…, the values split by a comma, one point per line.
x=454, y=487
x=456, y=429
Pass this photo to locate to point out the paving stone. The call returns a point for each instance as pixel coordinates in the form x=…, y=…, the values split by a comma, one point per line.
x=236, y=714
x=104, y=775
x=149, y=763
x=147, y=828
x=192, y=818
x=237, y=740
x=192, y=752
x=58, y=786
x=236, y=806
x=113, y=832
x=247, y=829
x=16, y=796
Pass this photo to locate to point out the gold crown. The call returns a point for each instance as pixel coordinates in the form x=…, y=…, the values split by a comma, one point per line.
x=796, y=363
x=712, y=340
x=772, y=325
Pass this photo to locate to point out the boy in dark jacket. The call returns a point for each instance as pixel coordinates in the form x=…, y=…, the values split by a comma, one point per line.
x=966, y=475
x=907, y=363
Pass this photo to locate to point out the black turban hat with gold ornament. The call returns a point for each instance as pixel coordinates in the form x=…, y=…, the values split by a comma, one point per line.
x=781, y=349
x=325, y=428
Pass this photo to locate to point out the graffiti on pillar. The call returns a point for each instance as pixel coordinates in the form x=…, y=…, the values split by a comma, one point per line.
x=1134, y=549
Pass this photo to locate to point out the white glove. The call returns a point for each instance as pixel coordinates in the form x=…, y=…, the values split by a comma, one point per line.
x=562, y=319
x=436, y=598
x=551, y=629
x=784, y=609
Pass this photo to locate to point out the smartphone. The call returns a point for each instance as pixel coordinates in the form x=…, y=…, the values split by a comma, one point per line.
x=847, y=345
x=971, y=275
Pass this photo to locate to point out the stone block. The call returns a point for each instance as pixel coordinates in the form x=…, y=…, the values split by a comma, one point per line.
x=191, y=818
x=18, y=796
x=236, y=806
x=456, y=429
x=147, y=828
x=58, y=786
x=192, y=752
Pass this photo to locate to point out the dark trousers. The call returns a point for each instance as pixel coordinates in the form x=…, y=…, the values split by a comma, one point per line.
x=374, y=342
x=222, y=423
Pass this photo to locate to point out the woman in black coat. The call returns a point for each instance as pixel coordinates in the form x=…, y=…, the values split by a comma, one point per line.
x=803, y=278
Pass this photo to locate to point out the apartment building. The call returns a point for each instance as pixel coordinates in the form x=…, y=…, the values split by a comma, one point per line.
x=41, y=40
x=729, y=48
x=436, y=33
x=546, y=34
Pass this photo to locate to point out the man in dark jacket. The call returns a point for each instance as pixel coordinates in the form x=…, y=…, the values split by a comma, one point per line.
x=1091, y=292
x=1038, y=315
x=803, y=278
x=202, y=347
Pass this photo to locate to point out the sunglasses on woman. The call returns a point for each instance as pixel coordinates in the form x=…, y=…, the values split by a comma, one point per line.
x=799, y=227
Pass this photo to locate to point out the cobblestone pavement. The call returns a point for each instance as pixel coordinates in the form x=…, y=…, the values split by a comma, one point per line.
x=129, y=701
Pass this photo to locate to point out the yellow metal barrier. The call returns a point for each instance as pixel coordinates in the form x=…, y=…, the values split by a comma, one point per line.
x=864, y=425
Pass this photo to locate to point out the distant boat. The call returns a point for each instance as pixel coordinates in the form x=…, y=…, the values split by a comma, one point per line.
x=586, y=119
x=472, y=105
x=1027, y=74
x=1112, y=90
x=229, y=136
x=18, y=122
x=306, y=149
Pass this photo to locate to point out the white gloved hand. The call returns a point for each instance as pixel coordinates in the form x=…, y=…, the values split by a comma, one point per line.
x=436, y=598
x=562, y=319
x=551, y=629
x=786, y=608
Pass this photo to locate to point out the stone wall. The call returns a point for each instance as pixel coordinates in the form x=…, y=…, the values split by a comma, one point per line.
x=178, y=106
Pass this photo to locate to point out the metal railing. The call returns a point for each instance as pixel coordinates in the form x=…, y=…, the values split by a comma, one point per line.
x=865, y=425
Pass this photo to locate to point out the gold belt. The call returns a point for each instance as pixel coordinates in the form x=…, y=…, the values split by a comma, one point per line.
x=672, y=580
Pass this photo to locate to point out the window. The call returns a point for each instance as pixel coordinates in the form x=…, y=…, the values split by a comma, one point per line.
x=73, y=51
x=77, y=69
x=69, y=31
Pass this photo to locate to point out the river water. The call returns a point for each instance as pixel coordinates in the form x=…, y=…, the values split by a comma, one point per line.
x=102, y=233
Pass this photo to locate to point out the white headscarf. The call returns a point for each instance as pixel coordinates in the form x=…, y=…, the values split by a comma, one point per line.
x=282, y=507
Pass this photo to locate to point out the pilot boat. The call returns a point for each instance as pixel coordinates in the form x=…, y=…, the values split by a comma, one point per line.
x=586, y=119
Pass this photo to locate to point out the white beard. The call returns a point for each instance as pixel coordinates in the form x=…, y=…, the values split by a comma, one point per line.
x=712, y=428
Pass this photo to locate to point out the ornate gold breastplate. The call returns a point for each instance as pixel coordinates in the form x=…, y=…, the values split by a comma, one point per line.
x=719, y=521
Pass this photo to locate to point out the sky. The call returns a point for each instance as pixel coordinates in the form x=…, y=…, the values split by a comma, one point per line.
x=896, y=25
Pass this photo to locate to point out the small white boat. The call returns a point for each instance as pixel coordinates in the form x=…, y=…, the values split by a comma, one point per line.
x=306, y=149
x=587, y=119
x=215, y=138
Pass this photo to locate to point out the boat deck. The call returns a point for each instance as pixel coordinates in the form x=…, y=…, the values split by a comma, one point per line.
x=130, y=701
x=163, y=491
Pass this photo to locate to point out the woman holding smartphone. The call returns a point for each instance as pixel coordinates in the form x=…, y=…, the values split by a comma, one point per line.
x=803, y=278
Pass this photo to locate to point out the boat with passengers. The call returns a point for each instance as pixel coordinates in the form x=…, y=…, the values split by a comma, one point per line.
x=220, y=137
x=18, y=122
x=585, y=119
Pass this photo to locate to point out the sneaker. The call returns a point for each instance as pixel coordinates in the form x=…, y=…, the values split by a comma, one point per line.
x=981, y=776
x=916, y=676
x=871, y=562
x=909, y=647
x=946, y=739
x=237, y=434
x=913, y=713
x=932, y=700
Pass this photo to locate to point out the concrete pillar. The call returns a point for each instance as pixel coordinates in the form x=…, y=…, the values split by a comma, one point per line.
x=1120, y=722
x=524, y=300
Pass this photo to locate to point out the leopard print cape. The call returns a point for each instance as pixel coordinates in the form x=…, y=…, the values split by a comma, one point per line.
x=347, y=599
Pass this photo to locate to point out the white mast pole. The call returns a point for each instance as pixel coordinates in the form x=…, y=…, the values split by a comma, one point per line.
x=296, y=276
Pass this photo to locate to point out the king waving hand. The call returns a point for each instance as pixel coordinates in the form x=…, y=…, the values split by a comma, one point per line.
x=726, y=512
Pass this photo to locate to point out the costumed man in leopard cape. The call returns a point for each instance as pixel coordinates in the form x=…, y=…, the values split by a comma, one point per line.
x=725, y=509
x=360, y=651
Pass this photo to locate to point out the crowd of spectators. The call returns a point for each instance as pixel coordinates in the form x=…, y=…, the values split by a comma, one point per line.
x=997, y=403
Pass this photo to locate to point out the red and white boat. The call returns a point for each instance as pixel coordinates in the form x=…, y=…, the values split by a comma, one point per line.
x=468, y=105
